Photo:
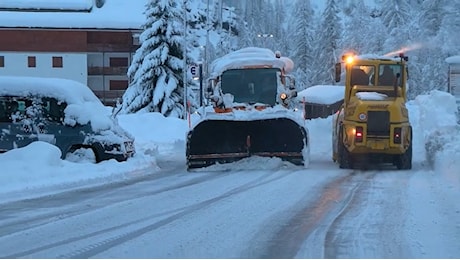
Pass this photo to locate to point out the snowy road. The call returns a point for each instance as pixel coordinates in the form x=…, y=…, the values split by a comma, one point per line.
x=291, y=212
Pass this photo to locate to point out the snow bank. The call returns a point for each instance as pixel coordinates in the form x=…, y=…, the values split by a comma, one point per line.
x=441, y=132
x=322, y=94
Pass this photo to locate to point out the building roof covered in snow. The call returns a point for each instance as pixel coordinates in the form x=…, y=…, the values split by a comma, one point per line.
x=453, y=59
x=75, y=14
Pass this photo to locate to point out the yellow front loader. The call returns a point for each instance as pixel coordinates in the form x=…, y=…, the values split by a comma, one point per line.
x=373, y=124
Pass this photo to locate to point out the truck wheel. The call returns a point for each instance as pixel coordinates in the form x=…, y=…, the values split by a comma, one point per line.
x=404, y=161
x=344, y=157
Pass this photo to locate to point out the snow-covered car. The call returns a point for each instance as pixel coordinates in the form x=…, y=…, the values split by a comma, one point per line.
x=62, y=112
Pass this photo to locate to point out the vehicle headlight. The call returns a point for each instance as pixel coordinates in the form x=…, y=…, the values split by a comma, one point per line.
x=112, y=147
x=129, y=146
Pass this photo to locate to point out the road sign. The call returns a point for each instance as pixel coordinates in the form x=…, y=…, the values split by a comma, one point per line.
x=194, y=70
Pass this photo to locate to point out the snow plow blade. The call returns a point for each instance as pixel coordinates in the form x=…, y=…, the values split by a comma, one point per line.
x=225, y=141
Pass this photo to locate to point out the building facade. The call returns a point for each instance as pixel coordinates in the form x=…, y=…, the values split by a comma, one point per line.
x=96, y=56
x=454, y=77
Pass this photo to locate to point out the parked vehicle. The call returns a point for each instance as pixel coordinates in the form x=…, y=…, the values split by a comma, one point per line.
x=62, y=112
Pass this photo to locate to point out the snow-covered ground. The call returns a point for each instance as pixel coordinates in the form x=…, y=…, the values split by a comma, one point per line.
x=430, y=196
x=38, y=167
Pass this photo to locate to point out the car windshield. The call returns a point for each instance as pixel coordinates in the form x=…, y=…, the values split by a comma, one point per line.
x=251, y=85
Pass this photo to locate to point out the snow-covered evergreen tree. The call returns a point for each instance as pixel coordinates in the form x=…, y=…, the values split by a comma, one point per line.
x=302, y=25
x=449, y=33
x=396, y=17
x=357, y=29
x=327, y=47
x=155, y=75
x=196, y=42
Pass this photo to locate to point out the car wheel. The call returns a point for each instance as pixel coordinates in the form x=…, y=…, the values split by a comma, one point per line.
x=81, y=154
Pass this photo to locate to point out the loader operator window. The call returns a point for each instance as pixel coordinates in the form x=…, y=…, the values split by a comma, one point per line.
x=361, y=75
x=387, y=75
x=251, y=85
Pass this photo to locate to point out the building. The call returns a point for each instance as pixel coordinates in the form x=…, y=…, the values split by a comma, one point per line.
x=90, y=41
x=454, y=77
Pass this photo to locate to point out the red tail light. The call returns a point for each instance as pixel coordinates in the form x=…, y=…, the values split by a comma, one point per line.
x=397, y=135
x=359, y=134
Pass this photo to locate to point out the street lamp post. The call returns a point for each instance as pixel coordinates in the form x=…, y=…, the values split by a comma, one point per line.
x=184, y=76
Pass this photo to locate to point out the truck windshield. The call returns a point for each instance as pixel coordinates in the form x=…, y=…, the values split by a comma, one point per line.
x=251, y=85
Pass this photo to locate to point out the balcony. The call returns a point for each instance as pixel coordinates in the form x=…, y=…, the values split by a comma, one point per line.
x=117, y=71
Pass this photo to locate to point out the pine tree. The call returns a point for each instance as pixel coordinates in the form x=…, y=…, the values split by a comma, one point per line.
x=396, y=17
x=196, y=46
x=357, y=26
x=155, y=75
x=327, y=49
x=449, y=33
x=301, y=36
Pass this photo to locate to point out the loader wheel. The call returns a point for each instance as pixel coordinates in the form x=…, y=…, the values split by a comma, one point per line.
x=404, y=161
x=344, y=157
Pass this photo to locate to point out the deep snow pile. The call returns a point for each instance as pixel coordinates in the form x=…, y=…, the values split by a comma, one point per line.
x=437, y=119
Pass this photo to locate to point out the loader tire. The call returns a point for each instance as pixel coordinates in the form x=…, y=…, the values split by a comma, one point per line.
x=344, y=157
x=404, y=161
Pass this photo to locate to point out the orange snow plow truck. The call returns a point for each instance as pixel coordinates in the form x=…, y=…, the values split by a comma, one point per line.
x=251, y=112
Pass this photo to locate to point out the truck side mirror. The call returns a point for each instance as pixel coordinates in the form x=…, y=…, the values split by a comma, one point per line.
x=338, y=71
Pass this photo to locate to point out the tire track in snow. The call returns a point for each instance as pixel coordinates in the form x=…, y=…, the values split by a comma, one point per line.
x=303, y=235
x=83, y=200
x=142, y=226
x=370, y=227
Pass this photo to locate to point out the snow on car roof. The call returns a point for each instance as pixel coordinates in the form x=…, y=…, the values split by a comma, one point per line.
x=82, y=104
x=72, y=92
x=250, y=56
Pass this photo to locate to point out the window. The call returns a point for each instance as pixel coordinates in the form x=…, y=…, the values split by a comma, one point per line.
x=57, y=62
x=53, y=109
x=31, y=62
x=360, y=75
x=118, y=84
x=118, y=62
x=2, y=61
x=135, y=37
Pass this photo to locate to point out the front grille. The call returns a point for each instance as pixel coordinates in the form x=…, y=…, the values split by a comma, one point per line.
x=378, y=123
